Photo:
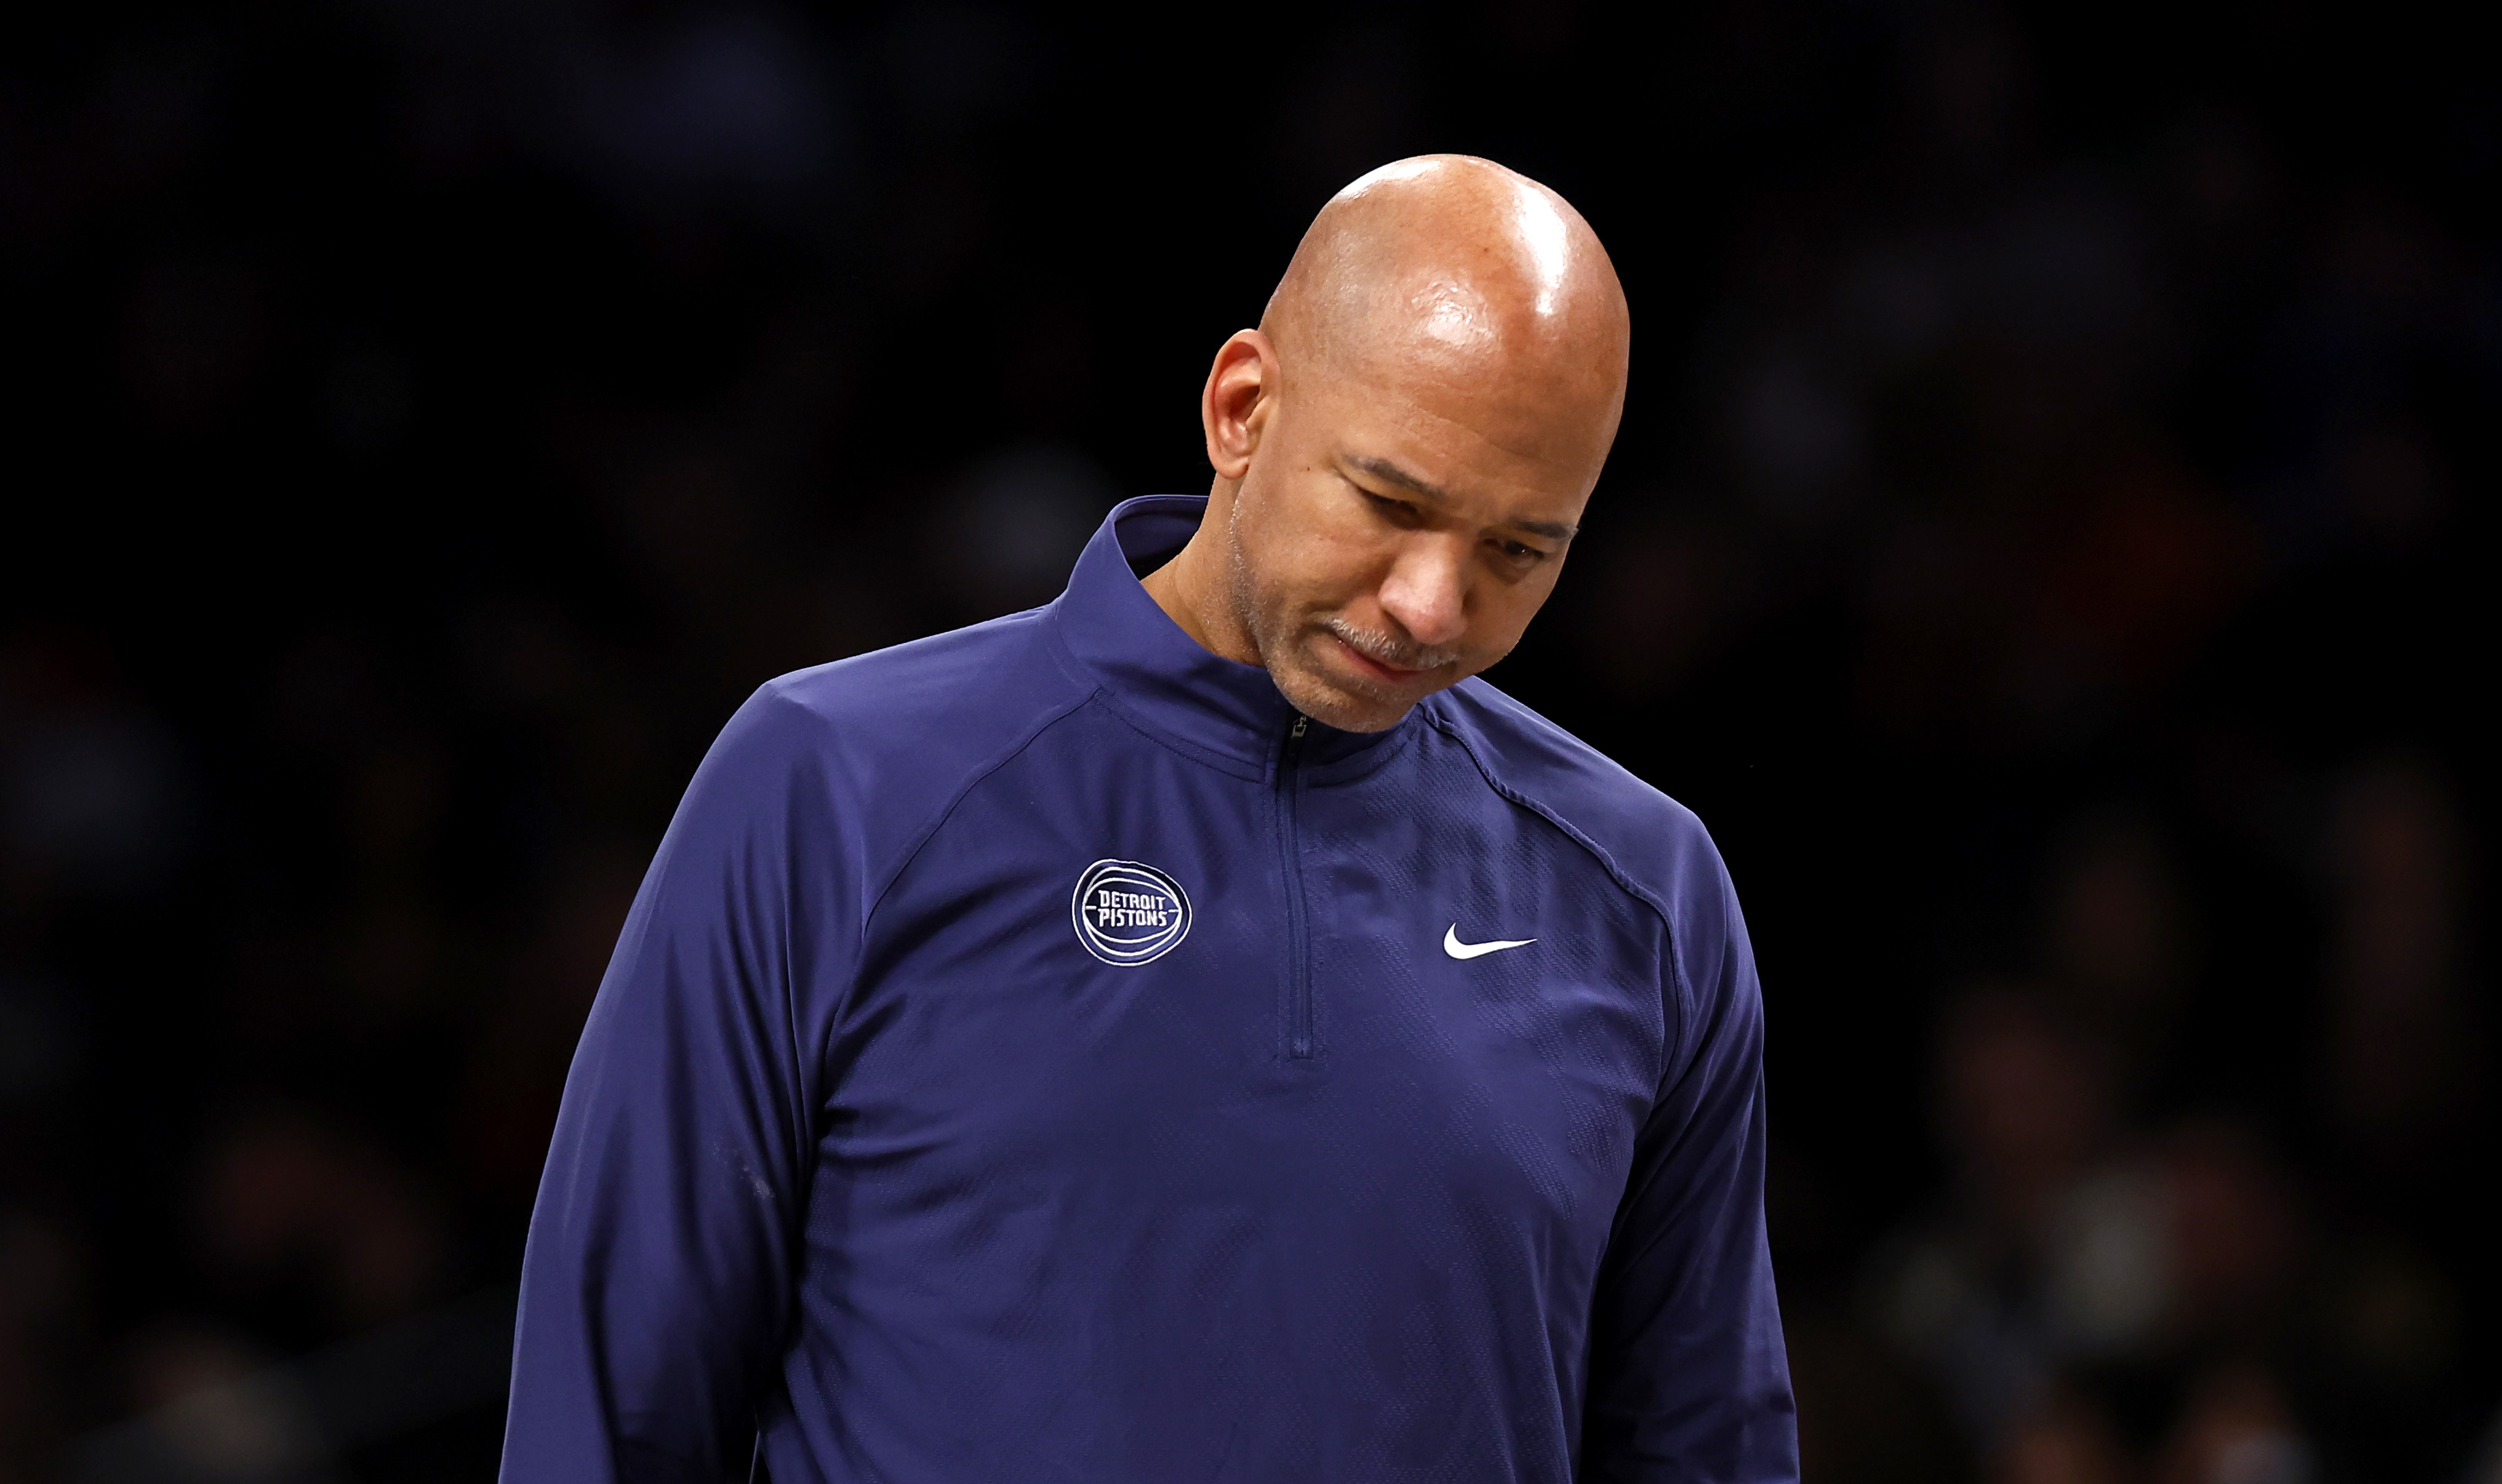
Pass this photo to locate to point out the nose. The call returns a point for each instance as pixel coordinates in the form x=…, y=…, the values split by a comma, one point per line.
x=1425, y=591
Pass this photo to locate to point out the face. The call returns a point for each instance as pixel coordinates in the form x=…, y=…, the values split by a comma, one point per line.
x=1396, y=523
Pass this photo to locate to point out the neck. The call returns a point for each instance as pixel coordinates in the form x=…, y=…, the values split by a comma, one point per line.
x=1195, y=589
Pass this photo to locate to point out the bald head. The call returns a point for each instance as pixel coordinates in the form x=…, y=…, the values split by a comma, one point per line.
x=1403, y=448
x=1453, y=267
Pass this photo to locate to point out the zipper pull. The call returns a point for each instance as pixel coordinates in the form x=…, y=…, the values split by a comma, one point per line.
x=1300, y=721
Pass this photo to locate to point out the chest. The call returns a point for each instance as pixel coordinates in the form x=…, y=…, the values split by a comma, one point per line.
x=1118, y=970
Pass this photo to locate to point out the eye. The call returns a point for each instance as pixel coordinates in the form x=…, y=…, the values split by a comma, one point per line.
x=1398, y=511
x=1520, y=551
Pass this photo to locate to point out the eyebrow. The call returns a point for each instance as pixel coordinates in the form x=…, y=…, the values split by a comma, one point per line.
x=1390, y=473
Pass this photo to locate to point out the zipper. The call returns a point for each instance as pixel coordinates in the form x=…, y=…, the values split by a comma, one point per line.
x=1299, y=970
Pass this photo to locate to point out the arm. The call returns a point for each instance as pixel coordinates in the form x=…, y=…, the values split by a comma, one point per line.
x=657, y=1282
x=1689, y=1380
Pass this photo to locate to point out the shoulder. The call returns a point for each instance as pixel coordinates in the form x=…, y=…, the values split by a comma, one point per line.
x=887, y=736
x=1649, y=840
x=967, y=685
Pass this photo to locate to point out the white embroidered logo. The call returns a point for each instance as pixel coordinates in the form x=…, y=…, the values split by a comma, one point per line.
x=1452, y=945
x=1128, y=913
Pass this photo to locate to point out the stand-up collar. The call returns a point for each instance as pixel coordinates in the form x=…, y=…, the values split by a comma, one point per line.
x=1160, y=675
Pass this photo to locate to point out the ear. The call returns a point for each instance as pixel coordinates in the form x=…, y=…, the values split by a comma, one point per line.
x=1240, y=396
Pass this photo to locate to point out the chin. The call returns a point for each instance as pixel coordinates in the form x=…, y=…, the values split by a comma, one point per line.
x=1340, y=705
x=1324, y=693
x=1363, y=716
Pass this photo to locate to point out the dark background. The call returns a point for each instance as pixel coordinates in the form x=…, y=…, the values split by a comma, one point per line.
x=2048, y=545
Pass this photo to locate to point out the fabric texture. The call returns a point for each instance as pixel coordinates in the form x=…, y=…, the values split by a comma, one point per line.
x=1037, y=1054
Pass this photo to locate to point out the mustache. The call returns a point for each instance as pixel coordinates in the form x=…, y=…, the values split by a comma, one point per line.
x=1390, y=649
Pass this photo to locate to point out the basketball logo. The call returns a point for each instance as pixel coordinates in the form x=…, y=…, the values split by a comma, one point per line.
x=1128, y=913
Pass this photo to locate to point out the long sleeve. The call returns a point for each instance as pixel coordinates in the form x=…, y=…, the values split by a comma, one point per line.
x=656, y=1289
x=1689, y=1378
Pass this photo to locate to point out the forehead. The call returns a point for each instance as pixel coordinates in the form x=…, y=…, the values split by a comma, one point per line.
x=1534, y=421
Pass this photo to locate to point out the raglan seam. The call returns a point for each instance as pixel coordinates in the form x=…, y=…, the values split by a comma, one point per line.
x=972, y=779
x=1701, y=1023
x=1687, y=1003
x=919, y=841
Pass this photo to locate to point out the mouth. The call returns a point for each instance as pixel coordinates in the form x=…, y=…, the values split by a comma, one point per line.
x=1373, y=669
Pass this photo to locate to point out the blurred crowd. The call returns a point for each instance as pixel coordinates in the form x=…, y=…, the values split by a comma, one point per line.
x=2046, y=546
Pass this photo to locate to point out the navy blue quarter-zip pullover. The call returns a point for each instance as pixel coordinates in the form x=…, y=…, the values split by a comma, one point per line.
x=1037, y=1054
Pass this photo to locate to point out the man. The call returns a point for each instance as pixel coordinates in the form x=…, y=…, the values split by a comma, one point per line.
x=1193, y=1031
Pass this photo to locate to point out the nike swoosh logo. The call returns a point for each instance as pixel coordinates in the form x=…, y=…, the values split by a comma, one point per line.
x=1452, y=945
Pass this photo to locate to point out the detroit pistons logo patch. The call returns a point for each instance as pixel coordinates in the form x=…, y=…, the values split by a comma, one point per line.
x=1126, y=912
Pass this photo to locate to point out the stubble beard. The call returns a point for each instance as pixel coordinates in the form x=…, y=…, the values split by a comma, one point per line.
x=1277, y=638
